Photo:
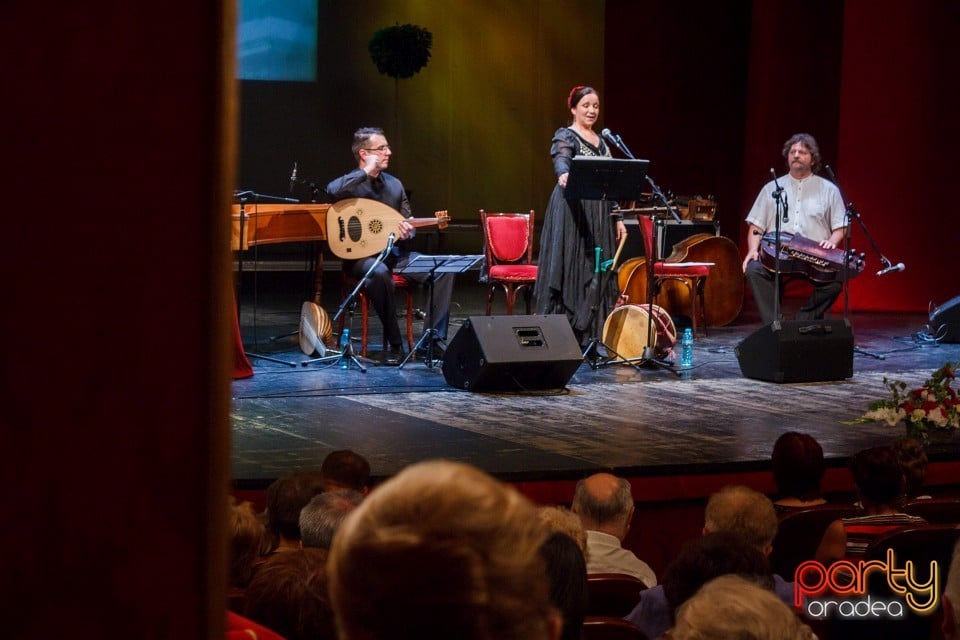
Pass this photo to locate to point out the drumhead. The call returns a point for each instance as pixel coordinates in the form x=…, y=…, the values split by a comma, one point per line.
x=314, y=323
x=625, y=331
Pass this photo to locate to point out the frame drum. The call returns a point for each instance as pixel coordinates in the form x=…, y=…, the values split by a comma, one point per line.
x=625, y=331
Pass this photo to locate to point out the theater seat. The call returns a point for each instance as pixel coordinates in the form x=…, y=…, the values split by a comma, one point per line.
x=610, y=628
x=613, y=594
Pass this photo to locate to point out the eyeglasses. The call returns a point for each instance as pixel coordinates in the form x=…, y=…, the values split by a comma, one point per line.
x=383, y=147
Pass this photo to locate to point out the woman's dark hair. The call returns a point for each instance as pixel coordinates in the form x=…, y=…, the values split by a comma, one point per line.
x=577, y=94
x=798, y=466
x=878, y=475
x=567, y=573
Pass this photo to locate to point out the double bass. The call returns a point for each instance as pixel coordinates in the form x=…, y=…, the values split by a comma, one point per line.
x=723, y=292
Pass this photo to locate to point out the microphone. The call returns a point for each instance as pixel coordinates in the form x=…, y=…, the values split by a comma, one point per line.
x=293, y=176
x=614, y=140
x=390, y=239
x=778, y=194
x=897, y=267
x=829, y=171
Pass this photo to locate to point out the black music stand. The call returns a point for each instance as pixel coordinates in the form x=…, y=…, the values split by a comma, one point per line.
x=432, y=265
x=614, y=179
x=593, y=178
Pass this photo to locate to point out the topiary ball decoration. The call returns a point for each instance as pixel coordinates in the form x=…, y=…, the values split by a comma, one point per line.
x=402, y=50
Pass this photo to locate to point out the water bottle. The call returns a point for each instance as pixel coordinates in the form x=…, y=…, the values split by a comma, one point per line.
x=344, y=346
x=686, y=352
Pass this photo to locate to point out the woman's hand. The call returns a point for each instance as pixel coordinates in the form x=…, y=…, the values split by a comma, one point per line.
x=562, y=180
x=621, y=230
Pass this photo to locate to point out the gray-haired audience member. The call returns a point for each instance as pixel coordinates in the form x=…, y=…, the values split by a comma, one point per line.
x=322, y=516
x=605, y=506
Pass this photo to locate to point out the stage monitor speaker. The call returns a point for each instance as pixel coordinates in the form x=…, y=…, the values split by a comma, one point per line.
x=945, y=321
x=512, y=353
x=798, y=351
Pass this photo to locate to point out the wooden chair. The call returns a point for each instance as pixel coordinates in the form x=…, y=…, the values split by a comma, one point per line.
x=609, y=628
x=399, y=282
x=508, y=244
x=935, y=510
x=799, y=534
x=694, y=278
x=613, y=594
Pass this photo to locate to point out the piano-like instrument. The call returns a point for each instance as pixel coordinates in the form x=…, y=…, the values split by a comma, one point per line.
x=255, y=224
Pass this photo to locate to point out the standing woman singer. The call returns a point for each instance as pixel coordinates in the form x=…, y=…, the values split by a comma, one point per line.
x=573, y=228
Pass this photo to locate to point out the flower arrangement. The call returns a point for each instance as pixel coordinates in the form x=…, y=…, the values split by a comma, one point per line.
x=935, y=405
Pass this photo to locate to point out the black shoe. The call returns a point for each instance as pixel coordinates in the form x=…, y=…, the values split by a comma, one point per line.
x=392, y=356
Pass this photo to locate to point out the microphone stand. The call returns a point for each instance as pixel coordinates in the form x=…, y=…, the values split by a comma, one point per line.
x=851, y=213
x=245, y=196
x=349, y=301
x=781, y=204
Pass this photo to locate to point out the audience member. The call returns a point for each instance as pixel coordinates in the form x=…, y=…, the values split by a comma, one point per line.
x=951, y=598
x=733, y=607
x=442, y=550
x=285, y=498
x=913, y=463
x=605, y=506
x=289, y=595
x=798, y=467
x=736, y=511
x=324, y=514
x=345, y=469
x=562, y=520
x=567, y=572
x=248, y=542
x=880, y=483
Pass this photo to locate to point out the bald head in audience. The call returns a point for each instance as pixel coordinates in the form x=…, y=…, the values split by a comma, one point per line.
x=442, y=550
x=604, y=503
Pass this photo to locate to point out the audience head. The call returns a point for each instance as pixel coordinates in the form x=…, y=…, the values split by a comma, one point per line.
x=289, y=595
x=285, y=498
x=742, y=511
x=324, y=514
x=878, y=476
x=951, y=597
x=345, y=470
x=567, y=572
x=604, y=503
x=733, y=607
x=562, y=520
x=913, y=463
x=442, y=550
x=798, y=467
x=713, y=555
x=248, y=541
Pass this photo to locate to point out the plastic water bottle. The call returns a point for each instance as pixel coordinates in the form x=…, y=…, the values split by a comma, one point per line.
x=686, y=352
x=344, y=346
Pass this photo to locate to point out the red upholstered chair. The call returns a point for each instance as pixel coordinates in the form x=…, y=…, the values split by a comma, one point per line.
x=613, y=594
x=399, y=282
x=508, y=240
x=659, y=271
x=935, y=510
x=609, y=628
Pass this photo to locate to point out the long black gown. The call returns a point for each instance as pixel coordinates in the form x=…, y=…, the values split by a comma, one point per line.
x=571, y=231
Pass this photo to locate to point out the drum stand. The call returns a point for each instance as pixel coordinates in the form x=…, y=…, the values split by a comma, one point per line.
x=590, y=353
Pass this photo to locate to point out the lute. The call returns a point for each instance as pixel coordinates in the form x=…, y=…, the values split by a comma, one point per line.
x=360, y=227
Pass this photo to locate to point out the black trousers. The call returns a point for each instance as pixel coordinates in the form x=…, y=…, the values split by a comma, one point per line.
x=761, y=283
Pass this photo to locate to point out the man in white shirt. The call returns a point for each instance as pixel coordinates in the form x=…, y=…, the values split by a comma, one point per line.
x=813, y=209
x=605, y=506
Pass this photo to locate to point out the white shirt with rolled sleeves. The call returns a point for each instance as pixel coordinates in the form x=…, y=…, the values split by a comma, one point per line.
x=814, y=207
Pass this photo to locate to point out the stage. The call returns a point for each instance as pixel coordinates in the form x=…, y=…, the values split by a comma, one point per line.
x=639, y=423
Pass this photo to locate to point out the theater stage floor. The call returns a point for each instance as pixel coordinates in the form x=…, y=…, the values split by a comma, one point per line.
x=639, y=423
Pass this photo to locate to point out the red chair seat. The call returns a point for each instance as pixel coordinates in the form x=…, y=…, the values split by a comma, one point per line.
x=514, y=272
x=666, y=269
x=399, y=282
